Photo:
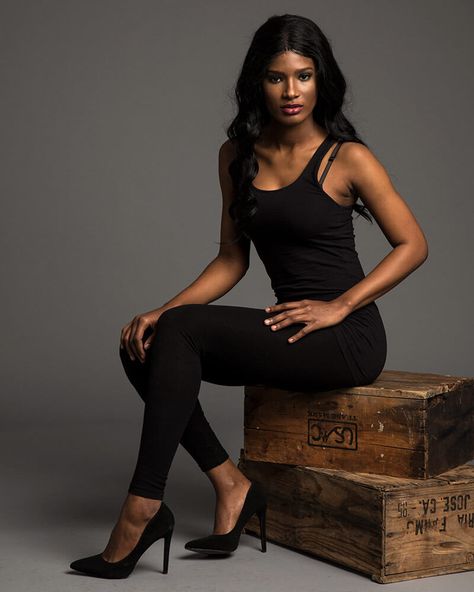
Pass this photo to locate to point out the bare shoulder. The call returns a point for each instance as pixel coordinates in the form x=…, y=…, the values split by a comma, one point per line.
x=356, y=155
x=375, y=188
x=364, y=170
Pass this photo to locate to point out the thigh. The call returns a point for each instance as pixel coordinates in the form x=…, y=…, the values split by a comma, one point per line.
x=237, y=348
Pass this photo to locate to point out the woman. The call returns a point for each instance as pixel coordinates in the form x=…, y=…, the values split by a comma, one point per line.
x=323, y=332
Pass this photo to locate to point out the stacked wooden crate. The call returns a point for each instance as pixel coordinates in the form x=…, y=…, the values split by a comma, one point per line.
x=375, y=478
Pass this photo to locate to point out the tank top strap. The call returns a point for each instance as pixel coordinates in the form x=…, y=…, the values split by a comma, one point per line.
x=328, y=164
x=317, y=157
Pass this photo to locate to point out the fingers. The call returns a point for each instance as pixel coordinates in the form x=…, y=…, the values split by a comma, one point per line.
x=131, y=339
x=304, y=331
x=314, y=314
x=302, y=313
x=148, y=341
x=125, y=341
x=136, y=338
x=284, y=305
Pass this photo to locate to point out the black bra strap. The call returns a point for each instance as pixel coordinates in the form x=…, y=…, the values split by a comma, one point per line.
x=329, y=163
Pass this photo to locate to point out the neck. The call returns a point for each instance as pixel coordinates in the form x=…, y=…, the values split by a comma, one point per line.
x=286, y=138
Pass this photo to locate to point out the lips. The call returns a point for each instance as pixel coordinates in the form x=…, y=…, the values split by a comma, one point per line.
x=291, y=109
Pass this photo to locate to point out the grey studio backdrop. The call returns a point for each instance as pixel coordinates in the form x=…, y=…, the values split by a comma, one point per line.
x=112, y=116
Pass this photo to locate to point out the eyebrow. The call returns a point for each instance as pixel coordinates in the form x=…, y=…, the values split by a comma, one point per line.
x=300, y=70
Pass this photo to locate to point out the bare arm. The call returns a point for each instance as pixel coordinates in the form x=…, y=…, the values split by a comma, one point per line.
x=232, y=262
x=219, y=276
x=410, y=248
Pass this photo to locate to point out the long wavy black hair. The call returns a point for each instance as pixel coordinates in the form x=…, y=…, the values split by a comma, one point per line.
x=280, y=33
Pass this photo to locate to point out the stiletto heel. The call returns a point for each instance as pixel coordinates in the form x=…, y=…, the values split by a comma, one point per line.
x=166, y=550
x=224, y=544
x=263, y=535
x=161, y=525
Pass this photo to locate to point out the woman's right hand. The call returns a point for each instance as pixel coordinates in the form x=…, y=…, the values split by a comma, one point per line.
x=131, y=336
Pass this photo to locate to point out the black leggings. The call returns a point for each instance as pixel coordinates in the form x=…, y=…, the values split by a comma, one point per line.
x=220, y=344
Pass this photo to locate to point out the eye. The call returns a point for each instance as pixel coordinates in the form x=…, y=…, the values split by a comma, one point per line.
x=274, y=77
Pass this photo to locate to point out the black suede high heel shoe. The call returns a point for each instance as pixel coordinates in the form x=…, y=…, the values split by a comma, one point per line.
x=224, y=544
x=161, y=525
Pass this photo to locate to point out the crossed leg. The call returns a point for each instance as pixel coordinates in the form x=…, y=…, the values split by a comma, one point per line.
x=226, y=345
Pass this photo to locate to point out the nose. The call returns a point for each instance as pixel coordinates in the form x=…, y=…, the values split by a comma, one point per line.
x=291, y=90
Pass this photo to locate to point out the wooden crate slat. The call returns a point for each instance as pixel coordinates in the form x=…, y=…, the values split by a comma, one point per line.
x=405, y=424
x=389, y=528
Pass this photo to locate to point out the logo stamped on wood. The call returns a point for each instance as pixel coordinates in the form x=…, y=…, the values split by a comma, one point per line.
x=332, y=433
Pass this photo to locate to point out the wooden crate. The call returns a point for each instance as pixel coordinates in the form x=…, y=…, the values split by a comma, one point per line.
x=405, y=424
x=389, y=528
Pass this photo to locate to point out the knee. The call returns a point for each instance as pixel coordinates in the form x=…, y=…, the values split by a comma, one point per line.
x=178, y=315
x=183, y=321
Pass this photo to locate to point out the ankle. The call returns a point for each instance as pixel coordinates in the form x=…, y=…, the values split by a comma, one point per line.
x=140, y=507
x=224, y=488
x=227, y=477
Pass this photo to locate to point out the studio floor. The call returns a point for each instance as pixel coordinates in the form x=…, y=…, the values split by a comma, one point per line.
x=62, y=489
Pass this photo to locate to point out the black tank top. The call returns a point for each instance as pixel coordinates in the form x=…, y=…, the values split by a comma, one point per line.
x=304, y=238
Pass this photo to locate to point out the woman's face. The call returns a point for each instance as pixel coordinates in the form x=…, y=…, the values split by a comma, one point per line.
x=290, y=78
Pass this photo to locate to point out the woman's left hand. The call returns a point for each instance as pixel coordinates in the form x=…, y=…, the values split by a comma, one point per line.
x=315, y=313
